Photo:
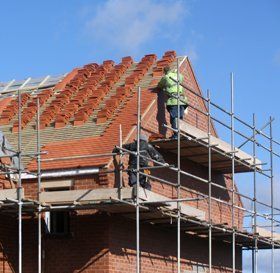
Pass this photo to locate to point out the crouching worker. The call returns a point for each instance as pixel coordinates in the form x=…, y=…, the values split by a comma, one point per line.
x=147, y=151
x=168, y=84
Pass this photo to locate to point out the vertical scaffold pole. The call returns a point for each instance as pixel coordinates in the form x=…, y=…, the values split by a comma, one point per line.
x=232, y=171
x=19, y=188
x=209, y=182
x=254, y=252
x=39, y=188
x=178, y=174
x=272, y=194
x=137, y=184
x=120, y=163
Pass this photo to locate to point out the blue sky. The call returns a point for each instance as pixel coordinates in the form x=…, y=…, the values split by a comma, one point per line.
x=52, y=37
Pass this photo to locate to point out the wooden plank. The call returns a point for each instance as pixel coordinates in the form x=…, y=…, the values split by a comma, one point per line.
x=87, y=196
x=267, y=233
x=197, y=152
x=10, y=194
x=117, y=208
x=171, y=145
x=83, y=196
x=222, y=145
x=185, y=209
x=57, y=184
x=101, y=195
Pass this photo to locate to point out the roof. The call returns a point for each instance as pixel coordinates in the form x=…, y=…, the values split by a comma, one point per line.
x=81, y=113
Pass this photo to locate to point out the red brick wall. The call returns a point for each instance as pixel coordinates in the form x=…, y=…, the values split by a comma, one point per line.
x=5, y=183
x=79, y=183
x=85, y=250
x=159, y=250
x=8, y=244
x=29, y=244
x=220, y=213
x=106, y=244
x=30, y=189
x=91, y=182
x=194, y=117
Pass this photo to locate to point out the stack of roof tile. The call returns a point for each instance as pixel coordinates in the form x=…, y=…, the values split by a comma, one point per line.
x=101, y=91
x=168, y=57
x=31, y=109
x=62, y=107
x=12, y=109
x=123, y=93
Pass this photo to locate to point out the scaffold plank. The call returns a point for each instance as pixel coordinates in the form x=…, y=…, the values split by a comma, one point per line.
x=195, y=148
x=9, y=194
x=83, y=196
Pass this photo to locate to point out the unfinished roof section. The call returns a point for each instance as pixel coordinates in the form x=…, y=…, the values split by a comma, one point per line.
x=30, y=84
x=81, y=114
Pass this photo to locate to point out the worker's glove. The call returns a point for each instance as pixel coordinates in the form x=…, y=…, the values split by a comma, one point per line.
x=165, y=164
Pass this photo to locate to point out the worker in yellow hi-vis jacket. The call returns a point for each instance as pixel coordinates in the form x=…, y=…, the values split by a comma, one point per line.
x=168, y=84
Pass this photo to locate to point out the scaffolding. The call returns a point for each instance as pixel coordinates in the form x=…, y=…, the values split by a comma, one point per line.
x=227, y=159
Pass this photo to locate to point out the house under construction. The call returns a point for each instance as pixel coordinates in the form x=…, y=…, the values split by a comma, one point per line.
x=65, y=203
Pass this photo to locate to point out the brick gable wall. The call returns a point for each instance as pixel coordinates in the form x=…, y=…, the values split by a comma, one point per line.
x=152, y=123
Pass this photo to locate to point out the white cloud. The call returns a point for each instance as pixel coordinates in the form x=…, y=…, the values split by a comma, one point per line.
x=129, y=25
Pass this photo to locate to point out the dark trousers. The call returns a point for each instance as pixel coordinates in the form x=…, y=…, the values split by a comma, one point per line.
x=173, y=111
x=143, y=180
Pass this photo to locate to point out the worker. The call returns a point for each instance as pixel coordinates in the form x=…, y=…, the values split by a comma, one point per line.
x=147, y=151
x=168, y=84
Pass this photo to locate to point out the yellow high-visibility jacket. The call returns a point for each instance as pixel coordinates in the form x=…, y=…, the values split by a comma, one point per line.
x=169, y=86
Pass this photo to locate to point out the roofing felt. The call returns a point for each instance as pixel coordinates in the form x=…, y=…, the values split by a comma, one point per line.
x=81, y=114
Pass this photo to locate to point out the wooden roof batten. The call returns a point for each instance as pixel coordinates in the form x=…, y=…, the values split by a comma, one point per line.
x=30, y=84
